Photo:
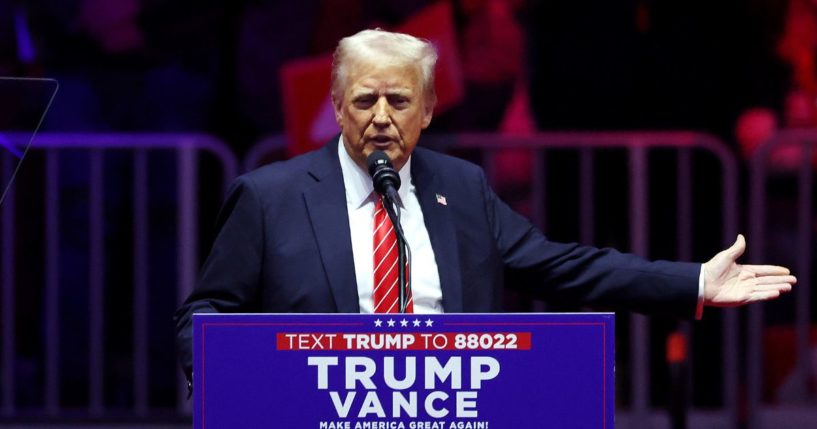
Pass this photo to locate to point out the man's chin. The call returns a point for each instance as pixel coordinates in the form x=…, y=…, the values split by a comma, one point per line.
x=394, y=152
x=389, y=147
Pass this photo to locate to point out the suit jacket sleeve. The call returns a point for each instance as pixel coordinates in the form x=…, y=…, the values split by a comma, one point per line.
x=230, y=275
x=587, y=275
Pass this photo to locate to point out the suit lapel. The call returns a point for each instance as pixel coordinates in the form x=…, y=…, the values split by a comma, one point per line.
x=326, y=205
x=438, y=221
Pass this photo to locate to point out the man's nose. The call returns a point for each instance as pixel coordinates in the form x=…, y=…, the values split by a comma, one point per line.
x=382, y=113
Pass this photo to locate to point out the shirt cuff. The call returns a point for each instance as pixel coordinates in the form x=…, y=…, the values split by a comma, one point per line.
x=699, y=308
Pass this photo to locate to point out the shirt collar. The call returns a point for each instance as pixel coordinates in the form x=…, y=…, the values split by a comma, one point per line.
x=358, y=183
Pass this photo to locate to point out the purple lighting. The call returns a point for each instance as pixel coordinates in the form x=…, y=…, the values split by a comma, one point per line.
x=9, y=146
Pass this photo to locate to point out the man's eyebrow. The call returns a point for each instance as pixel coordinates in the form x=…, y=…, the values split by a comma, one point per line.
x=358, y=92
x=361, y=92
x=399, y=91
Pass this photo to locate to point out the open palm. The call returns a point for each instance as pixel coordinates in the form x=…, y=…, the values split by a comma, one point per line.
x=729, y=284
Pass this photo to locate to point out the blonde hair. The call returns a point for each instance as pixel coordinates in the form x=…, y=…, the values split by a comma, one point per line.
x=379, y=45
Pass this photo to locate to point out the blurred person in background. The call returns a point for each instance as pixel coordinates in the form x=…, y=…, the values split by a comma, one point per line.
x=492, y=46
x=16, y=47
x=123, y=66
x=129, y=65
x=789, y=39
x=783, y=96
x=492, y=49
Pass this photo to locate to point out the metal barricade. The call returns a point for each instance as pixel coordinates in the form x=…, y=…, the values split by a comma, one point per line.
x=796, y=171
x=636, y=150
x=181, y=157
x=637, y=146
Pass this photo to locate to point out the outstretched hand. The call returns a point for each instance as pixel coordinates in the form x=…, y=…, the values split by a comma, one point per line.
x=729, y=284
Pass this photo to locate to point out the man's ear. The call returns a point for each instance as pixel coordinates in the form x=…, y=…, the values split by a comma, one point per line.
x=429, y=112
x=338, y=115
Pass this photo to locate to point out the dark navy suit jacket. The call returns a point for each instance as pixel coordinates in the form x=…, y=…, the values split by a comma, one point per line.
x=284, y=246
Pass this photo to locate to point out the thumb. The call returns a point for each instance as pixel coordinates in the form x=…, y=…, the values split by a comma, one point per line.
x=737, y=249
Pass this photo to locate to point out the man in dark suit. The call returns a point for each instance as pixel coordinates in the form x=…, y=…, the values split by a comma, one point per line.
x=296, y=236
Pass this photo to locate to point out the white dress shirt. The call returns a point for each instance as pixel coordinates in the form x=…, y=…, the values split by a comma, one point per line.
x=427, y=294
x=425, y=280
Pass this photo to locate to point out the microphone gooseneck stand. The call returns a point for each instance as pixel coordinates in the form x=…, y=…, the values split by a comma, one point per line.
x=386, y=181
x=403, y=252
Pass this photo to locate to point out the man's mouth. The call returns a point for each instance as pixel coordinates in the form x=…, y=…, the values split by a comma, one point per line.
x=381, y=140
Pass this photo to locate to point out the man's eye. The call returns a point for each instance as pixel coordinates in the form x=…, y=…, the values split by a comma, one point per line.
x=363, y=102
x=399, y=101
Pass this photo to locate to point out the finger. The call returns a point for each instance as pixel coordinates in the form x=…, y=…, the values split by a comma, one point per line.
x=767, y=280
x=767, y=270
x=737, y=249
x=765, y=295
x=780, y=287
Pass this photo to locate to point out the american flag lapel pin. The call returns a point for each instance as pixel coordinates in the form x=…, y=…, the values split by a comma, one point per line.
x=441, y=200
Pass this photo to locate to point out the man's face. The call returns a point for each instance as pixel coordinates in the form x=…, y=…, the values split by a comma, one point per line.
x=382, y=108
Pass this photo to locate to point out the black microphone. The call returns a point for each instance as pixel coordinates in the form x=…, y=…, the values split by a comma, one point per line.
x=384, y=177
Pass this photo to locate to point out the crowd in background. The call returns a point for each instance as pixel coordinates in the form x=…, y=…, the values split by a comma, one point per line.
x=161, y=65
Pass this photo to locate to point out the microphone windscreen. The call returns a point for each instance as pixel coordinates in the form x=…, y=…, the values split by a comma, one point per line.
x=377, y=160
x=384, y=176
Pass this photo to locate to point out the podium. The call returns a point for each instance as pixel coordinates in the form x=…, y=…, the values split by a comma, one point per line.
x=389, y=371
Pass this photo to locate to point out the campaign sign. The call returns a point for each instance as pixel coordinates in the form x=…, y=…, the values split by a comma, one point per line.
x=412, y=371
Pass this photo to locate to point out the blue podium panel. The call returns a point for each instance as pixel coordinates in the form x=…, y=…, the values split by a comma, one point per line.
x=449, y=371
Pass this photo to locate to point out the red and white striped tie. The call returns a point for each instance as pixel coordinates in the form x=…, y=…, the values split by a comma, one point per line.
x=386, y=277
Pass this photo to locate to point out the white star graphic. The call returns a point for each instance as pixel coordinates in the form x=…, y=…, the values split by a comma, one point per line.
x=378, y=323
x=416, y=323
x=390, y=323
x=404, y=323
x=429, y=322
